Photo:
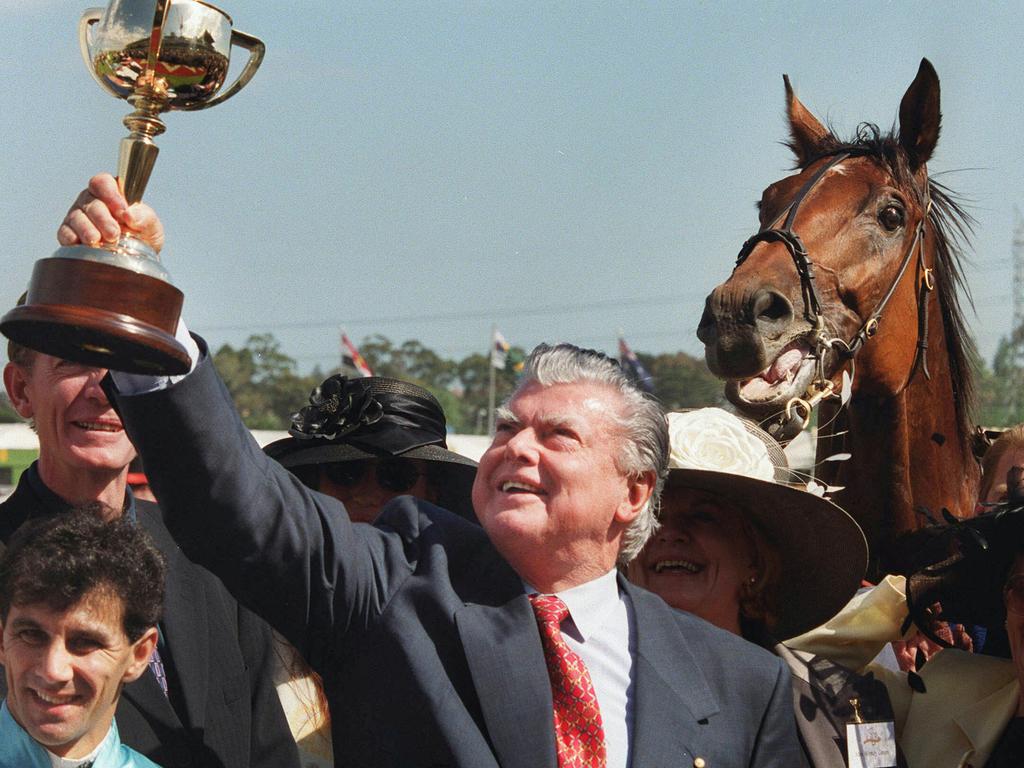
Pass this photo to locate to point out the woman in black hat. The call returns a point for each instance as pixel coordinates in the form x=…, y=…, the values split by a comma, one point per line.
x=741, y=547
x=365, y=441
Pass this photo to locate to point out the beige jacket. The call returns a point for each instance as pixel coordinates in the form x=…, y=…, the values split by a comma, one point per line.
x=968, y=698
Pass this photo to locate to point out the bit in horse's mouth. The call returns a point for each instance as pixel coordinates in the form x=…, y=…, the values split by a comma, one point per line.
x=788, y=375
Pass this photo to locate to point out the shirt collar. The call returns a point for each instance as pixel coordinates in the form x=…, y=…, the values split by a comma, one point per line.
x=81, y=762
x=54, y=504
x=589, y=604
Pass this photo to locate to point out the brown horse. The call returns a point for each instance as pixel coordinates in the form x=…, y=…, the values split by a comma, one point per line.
x=840, y=277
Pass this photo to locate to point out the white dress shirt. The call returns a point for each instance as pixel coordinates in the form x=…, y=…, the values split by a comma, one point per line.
x=601, y=628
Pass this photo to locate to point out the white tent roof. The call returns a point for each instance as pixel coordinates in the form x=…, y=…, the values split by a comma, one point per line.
x=18, y=437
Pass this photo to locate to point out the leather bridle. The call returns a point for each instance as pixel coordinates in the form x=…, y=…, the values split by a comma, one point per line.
x=797, y=414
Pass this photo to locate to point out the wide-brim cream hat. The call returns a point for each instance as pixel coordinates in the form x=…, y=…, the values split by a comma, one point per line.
x=822, y=551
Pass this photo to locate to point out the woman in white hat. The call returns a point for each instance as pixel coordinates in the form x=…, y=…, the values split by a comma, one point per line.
x=743, y=548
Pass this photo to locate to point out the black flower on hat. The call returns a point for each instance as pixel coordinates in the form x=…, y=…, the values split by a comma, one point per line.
x=336, y=407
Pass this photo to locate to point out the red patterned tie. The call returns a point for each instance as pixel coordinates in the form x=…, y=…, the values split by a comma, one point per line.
x=579, y=733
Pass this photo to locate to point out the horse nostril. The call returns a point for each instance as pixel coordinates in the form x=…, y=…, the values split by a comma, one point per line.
x=770, y=306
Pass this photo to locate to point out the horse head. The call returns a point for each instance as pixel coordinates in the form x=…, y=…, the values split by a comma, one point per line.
x=846, y=252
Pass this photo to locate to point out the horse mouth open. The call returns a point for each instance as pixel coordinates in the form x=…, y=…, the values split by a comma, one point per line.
x=786, y=377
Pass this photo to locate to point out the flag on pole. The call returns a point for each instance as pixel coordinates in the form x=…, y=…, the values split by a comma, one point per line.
x=350, y=356
x=632, y=365
x=499, y=350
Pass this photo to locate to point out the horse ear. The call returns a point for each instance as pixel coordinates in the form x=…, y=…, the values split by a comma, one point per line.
x=920, y=116
x=805, y=130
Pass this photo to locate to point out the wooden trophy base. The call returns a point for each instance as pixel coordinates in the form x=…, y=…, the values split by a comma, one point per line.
x=100, y=315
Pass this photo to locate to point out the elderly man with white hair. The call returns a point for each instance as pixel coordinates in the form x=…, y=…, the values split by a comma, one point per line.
x=513, y=643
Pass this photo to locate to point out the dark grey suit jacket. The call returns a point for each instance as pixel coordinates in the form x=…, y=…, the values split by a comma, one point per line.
x=228, y=713
x=426, y=641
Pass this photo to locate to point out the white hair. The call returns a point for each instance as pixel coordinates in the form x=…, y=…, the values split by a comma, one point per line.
x=645, y=433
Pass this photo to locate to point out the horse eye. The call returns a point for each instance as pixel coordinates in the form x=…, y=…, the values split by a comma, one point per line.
x=891, y=217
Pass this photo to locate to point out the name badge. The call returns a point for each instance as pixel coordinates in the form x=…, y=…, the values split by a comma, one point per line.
x=871, y=745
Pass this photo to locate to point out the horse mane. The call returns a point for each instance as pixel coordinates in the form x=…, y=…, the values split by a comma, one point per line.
x=951, y=226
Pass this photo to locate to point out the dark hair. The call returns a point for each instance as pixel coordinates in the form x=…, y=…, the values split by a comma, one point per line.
x=759, y=597
x=20, y=355
x=59, y=560
x=17, y=353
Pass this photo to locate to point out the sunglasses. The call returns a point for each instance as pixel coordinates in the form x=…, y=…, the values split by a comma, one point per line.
x=394, y=475
x=1013, y=594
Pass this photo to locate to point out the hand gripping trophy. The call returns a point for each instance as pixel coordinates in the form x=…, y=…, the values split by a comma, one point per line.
x=113, y=306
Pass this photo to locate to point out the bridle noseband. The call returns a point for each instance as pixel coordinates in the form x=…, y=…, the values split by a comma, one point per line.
x=797, y=414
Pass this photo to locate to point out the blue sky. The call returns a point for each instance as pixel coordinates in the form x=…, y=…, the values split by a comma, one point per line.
x=563, y=170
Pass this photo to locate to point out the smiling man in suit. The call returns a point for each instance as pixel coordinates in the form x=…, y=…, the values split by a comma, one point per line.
x=442, y=643
x=207, y=698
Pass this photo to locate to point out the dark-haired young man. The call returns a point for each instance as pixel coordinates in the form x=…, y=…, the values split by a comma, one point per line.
x=80, y=599
x=208, y=698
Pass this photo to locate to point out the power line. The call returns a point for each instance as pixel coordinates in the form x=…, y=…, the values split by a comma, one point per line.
x=492, y=313
x=603, y=340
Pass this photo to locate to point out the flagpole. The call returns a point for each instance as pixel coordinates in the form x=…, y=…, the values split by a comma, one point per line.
x=491, y=382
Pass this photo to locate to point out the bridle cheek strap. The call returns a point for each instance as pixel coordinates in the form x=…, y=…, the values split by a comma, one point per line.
x=793, y=243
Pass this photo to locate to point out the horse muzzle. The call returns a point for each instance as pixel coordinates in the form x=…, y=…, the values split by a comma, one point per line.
x=742, y=333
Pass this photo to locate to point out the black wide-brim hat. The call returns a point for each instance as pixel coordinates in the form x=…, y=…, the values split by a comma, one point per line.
x=822, y=551
x=377, y=417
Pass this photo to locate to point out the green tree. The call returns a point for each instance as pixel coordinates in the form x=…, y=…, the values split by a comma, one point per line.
x=1000, y=393
x=267, y=389
x=7, y=412
x=474, y=375
x=263, y=382
x=411, y=361
x=683, y=381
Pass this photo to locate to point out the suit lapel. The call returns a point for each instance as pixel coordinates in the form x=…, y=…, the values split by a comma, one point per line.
x=505, y=658
x=26, y=503
x=147, y=696
x=983, y=722
x=184, y=623
x=672, y=694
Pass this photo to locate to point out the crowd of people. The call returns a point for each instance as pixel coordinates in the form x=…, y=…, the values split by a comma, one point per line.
x=611, y=585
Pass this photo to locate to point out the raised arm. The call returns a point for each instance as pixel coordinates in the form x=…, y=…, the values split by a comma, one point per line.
x=100, y=212
x=287, y=553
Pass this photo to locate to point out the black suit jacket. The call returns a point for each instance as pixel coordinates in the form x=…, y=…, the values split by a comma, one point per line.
x=427, y=643
x=228, y=714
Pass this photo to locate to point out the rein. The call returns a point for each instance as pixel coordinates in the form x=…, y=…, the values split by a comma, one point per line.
x=797, y=414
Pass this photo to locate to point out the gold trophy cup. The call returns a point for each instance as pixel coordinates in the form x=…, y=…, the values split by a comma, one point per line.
x=113, y=306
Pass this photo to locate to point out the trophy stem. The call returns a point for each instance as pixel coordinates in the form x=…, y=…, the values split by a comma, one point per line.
x=138, y=152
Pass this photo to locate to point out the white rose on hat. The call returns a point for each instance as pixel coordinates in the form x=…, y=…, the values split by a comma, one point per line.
x=715, y=440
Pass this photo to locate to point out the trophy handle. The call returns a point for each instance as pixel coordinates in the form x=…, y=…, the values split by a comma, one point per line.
x=89, y=17
x=256, y=50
